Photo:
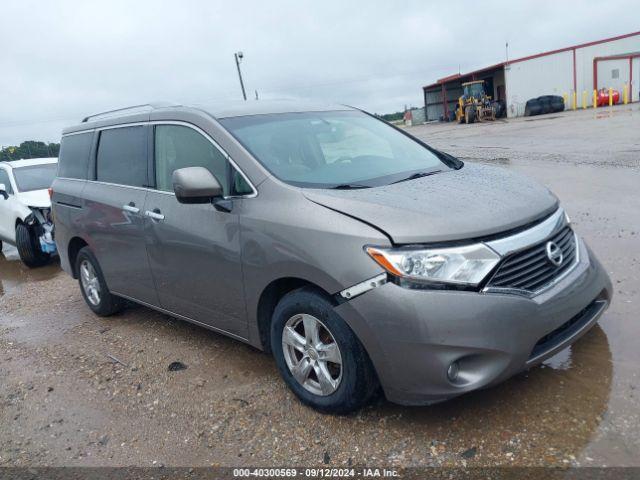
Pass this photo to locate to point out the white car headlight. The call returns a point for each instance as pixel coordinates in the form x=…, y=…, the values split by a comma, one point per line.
x=467, y=265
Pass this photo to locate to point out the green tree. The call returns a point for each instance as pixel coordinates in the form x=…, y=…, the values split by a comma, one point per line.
x=391, y=117
x=29, y=149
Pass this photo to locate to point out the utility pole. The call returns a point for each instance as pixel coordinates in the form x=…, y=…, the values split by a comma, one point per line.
x=506, y=48
x=239, y=56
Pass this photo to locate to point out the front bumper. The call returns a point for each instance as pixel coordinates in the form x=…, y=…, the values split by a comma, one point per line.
x=413, y=336
x=41, y=225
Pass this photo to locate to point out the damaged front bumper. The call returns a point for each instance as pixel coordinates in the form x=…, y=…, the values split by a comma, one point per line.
x=40, y=222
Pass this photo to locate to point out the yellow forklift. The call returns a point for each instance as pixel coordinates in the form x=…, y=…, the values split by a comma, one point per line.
x=474, y=104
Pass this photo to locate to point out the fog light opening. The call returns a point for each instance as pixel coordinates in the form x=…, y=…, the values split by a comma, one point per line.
x=452, y=371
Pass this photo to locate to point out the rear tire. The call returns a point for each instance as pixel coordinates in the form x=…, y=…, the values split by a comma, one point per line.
x=28, y=249
x=94, y=287
x=334, y=373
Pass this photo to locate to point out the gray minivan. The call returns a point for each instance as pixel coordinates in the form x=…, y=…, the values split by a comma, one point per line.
x=360, y=257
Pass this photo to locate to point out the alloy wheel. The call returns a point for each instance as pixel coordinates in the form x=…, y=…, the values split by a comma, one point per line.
x=90, y=282
x=312, y=354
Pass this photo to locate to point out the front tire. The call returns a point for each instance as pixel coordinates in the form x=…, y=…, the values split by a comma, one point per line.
x=470, y=114
x=28, y=247
x=319, y=356
x=94, y=287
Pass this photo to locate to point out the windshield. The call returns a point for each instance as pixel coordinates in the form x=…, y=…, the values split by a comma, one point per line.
x=475, y=90
x=332, y=149
x=35, y=177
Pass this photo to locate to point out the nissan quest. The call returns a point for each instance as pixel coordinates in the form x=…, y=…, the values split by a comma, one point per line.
x=361, y=258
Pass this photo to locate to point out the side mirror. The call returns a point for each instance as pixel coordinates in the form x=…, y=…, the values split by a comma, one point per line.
x=3, y=191
x=195, y=185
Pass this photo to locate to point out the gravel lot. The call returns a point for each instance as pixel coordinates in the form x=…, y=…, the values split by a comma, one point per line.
x=85, y=391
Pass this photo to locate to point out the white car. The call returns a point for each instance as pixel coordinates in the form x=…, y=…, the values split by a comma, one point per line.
x=25, y=208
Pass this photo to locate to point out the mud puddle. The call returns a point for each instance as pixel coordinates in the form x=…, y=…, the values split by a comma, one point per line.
x=14, y=273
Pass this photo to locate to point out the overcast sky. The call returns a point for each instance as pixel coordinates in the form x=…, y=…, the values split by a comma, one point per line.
x=61, y=60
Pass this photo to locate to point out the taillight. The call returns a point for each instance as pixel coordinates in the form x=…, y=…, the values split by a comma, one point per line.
x=50, y=190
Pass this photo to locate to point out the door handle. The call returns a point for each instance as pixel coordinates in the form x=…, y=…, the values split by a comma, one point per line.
x=131, y=208
x=155, y=215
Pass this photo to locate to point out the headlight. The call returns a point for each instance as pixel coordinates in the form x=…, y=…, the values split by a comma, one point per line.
x=467, y=265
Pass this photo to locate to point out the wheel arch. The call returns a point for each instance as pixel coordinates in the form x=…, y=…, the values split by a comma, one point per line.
x=75, y=245
x=270, y=297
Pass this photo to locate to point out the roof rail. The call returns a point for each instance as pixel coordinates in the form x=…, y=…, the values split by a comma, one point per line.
x=145, y=107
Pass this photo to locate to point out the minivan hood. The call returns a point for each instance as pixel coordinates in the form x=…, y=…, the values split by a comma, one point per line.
x=36, y=198
x=472, y=202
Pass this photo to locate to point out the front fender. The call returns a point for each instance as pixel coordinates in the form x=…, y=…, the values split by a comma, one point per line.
x=284, y=235
x=21, y=213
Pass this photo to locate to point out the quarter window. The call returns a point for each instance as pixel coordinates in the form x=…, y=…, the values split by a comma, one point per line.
x=122, y=156
x=177, y=147
x=240, y=185
x=74, y=155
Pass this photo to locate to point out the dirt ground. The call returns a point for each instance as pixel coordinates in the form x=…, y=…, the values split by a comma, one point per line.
x=78, y=390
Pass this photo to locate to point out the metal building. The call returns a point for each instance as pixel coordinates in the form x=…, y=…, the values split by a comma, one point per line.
x=607, y=63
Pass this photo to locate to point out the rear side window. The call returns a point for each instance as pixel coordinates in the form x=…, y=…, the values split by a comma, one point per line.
x=74, y=155
x=122, y=156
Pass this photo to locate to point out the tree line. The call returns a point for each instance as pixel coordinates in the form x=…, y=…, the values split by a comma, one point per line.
x=29, y=149
x=392, y=117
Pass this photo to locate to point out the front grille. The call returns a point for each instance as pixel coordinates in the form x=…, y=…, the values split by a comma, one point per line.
x=530, y=269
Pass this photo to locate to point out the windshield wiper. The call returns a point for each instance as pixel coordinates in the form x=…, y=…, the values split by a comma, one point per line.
x=349, y=186
x=417, y=175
